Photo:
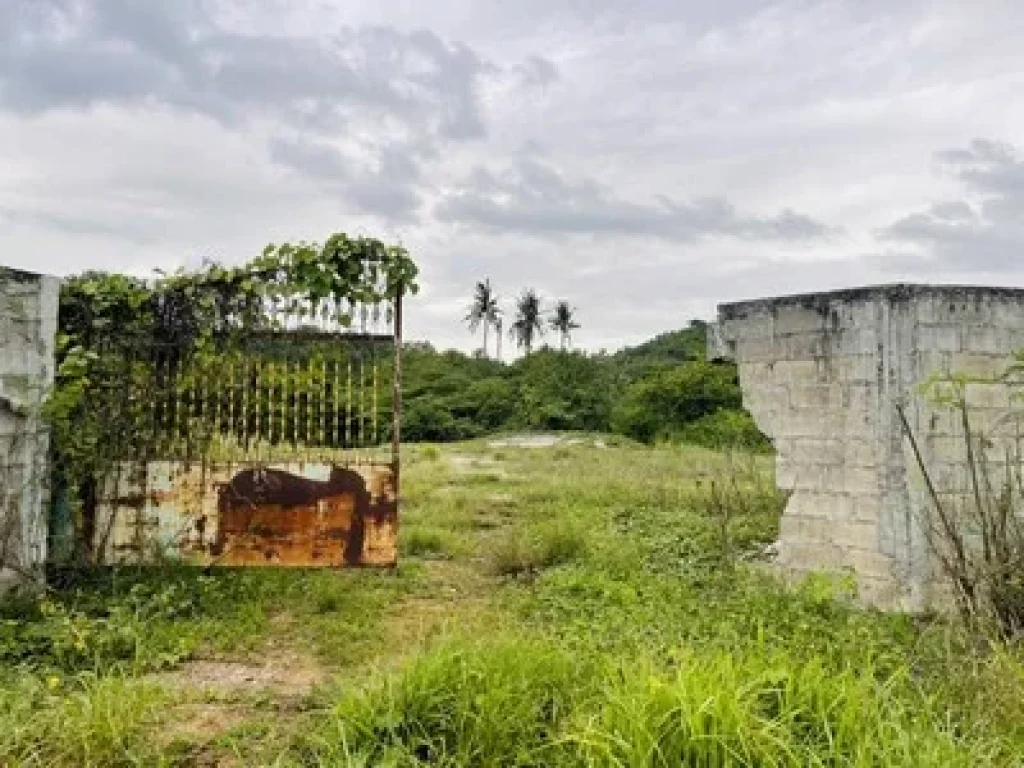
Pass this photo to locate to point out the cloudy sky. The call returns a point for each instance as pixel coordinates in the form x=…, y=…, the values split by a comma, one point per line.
x=644, y=160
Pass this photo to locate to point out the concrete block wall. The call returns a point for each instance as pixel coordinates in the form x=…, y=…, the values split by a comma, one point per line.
x=28, y=327
x=823, y=373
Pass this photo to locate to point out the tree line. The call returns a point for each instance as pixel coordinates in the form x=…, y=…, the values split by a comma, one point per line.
x=662, y=390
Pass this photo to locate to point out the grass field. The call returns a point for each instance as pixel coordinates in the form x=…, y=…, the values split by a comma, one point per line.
x=582, y=604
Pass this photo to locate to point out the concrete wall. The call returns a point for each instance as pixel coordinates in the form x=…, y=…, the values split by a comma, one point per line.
x=822, y=375
x=28, y=326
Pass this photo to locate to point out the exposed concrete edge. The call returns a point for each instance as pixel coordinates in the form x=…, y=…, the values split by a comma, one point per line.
x=905, y=291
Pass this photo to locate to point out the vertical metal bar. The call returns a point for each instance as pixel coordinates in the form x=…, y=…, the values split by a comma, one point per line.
x=310, y=421
x=154, y=376
x=257, y=391
x=322, y=406
x=198, y=380
x=271, y=402
x=179, y=406
x=294, y=403
x=214, y=418
x=362, y=399
x=282, y=398
x=348, y=404
x=396, y=407
x=373, y=414
x=335, y=384
x=230, y=434
x=244, y=436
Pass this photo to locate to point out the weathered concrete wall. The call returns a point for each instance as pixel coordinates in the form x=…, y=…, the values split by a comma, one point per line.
x=28, y=326
x=823, y=374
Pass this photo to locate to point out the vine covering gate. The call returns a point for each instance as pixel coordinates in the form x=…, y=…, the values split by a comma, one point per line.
x=236, y=416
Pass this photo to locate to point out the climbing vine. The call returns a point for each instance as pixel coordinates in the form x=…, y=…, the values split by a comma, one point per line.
x=136, y=358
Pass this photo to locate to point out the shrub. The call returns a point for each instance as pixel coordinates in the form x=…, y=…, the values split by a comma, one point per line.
x=725, y=429
x=662, y=403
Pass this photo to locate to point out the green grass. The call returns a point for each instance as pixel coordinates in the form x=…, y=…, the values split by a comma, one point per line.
x=566, y=606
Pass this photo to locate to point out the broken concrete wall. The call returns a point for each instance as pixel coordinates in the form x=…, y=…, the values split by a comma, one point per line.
x=823, y=375
x=28, y=327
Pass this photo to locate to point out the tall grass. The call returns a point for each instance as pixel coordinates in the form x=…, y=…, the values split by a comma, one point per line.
x=524, y=702
x=87, y=721
x=465, y=703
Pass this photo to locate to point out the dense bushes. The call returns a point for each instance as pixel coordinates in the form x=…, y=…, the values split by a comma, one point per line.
x=666, y=401
x=661, y=390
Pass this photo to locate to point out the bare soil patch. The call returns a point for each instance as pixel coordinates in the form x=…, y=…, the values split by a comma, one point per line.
x=284, y=675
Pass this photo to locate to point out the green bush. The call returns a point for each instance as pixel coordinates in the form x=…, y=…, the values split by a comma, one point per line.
x=725, y=429
x=563, y=391
x=661, y=404
x=428, y=420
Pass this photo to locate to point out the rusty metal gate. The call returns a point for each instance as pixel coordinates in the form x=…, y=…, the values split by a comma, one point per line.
x=277, y=447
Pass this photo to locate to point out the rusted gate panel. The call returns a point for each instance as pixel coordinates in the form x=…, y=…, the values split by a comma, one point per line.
x=280, y=447
x=290, y=514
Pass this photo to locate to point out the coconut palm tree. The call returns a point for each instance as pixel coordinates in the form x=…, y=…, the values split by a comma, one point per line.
x=527, y=325
x=484, y=310
x=563, y=320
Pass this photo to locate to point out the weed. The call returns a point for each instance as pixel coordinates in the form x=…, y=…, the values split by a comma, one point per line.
x=558, y=544
x=512, y=556
x=83, y=721
x=422, y=541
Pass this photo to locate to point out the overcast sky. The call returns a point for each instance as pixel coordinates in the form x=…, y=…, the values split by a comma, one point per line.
x=644, y=160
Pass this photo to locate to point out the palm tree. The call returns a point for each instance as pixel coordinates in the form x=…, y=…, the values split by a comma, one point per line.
x=563, y=320
x=528, y=323
x=484, y=310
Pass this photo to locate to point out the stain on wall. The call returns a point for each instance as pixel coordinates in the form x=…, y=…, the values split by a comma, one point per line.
x=300, y=514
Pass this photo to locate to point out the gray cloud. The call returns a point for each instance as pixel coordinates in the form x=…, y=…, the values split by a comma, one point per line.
x=539, y=72
x=984, y=232
x=62, y=53
x=373, y=85
x=389, y=187
x=533, y=197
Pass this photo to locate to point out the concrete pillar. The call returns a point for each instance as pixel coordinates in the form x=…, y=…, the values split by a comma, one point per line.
x=28, y=327
x=823, y=375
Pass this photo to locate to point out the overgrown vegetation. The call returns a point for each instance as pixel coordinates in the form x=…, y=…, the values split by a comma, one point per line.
x=975, y=523
x=664, y=390
x=181, y=365
x=573, y=605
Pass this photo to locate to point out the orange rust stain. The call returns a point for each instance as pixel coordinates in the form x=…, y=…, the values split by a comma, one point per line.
x=274, y=517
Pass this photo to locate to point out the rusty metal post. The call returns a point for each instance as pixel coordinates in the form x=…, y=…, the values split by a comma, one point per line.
x=396, y=409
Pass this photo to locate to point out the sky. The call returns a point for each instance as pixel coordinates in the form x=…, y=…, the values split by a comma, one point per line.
x=643, y=160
